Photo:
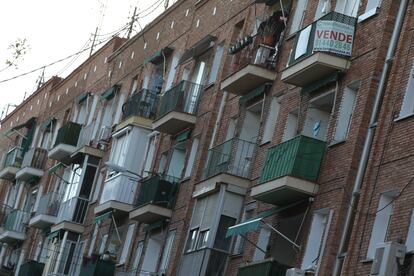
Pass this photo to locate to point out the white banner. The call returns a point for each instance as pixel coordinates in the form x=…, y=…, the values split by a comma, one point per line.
x=334, y=37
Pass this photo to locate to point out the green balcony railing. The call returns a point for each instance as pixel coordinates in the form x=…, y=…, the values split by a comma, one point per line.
x=16, y=221
x=184, y=97
x=14, y=158
x=68, y=134
x=299, y=157
x=143, y=103
x=158, y=190
x=332, y=33
x=35, y=158
x=233, y=156
x=97, y=267
x=31, y=268
x=264, y=268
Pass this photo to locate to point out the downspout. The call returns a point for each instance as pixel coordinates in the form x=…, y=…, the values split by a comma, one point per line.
x=218, y=120
x=371, y=130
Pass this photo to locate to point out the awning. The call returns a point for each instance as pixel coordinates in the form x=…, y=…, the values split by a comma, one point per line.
x=110, y=93
x=55, y=167
x=183, y=136
x=254, y=223
x=28, y=124
x=198, y=48
x=154, y=225
x=53, y=235
x=102, y=217
x=82, y=97
x=158, y=56
x=320, y=83
x=254, y=93
x=286, y=3
x=48, y=123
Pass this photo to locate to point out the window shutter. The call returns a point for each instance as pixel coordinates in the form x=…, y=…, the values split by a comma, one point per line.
x=298, y=16
x=345, y=114
x=270, y=124
x=407, y=107
x=127, y=243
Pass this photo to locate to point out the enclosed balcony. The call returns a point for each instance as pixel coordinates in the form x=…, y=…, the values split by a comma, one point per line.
x=267, y=267
x=71, y=215
x=12, y=163
x=290, y=171
x=178, y=108
x=228, y=163
x=140, y=109
x=66, y=142
x=155, y=199
x=33, y=165
x=118, y=194
x=321, y=49
x=47, y=211
x=85, y=144
x=14, y=225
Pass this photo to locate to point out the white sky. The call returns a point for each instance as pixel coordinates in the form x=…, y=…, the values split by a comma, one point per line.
x=56, y=29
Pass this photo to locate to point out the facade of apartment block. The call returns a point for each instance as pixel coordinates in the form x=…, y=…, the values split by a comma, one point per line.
x=226, y=138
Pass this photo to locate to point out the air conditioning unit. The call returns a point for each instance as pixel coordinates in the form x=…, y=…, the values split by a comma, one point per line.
x=387, y=257
x=295, y=272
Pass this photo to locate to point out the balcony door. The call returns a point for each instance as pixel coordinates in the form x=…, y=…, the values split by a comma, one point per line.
x=195, y=89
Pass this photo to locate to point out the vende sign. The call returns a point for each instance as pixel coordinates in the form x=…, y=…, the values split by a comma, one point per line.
x=334, y=37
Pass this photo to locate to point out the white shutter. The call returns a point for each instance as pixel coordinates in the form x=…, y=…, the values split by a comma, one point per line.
x=410, y=236
x=270, y=124
x=93, y=240
x=298, y=16
x=216, y=63
x=262, y=243
x=127, y=243
x=290, y=127
x=118, y=111
x=171, y=73
x=167, y=251
x=345, y=114
x=138, y=254
x=191, y=159
x=103, y=243
x=323, y=8
x=372, y=5
x=407, y=107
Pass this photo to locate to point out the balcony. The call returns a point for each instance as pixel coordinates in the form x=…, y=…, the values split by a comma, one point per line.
x=66, y=142
x=71, y=215
x=33, y=165
x=85, y=143
x=118, y=194
x=290, y=171
x=31, y=268
x=12, y=163
x=14, y=225
x=321, y=49
x=178, y=108
x=47, y=211
x=228, y=163
x=252, y=68
x=97, y=267
x=267, y=267
x=140, y=109
x=155, y=200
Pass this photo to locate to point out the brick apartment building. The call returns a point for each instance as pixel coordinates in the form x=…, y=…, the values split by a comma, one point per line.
x=244, y=137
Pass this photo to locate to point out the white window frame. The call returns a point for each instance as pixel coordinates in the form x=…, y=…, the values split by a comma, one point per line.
x=346, y=110
x=271, y=120
x=409, y=242
x=192, y=157
x=215, y=67
x=299, y=15
x=407, y=107
x=324, y=7
x=371, y=9
x=138, y=254
x=165, y=259
x=127, y=243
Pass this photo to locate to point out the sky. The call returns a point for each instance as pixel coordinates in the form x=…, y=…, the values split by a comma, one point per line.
x=57, y=29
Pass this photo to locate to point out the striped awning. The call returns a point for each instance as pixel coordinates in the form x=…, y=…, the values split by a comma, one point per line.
x=199, y=48
x=110, y=93
x=102, y=217
x=82, y=97
x=55, y=167
x=158, y=56
x=48, y=123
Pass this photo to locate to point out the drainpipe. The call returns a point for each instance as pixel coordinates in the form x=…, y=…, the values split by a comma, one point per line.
x=371, y=130
x=218, y=120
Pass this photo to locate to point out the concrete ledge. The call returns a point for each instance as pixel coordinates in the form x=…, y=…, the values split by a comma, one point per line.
x=68, y=226
x=174, y=122
x=235, y=184
x=313, y=68
x=284, y=190
x=61, y=152
x=112, y=205
x=150, y=213
x=135, y=121
x=11, y=236
x=42, y=221
x=8, y=173
x=26, y=173
x=87, y=150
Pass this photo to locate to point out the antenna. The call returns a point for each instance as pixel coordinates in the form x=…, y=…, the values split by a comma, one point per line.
x=93, y=41
x=40, y=81
x=131, y=24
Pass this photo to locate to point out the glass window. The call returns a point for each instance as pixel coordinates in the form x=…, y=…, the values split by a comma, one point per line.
x=191, y=159
x=203, y=239
x=298, y=15
x=216, y=63
x=221, y=241
x=192, y=238
x=138, y=254
x=167, y=251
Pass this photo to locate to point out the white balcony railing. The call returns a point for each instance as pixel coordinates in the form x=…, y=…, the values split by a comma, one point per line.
x=85, y=136
x=120, y=187
x=49, y=204
x=73, y=210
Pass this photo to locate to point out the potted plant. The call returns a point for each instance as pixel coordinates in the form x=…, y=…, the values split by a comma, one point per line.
x=269, y=32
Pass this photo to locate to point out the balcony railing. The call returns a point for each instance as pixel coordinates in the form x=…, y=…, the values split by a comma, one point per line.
x=85, y=135
x=300, y=157
x=183, y=97
x=5, y=210
x=233, y=157
x=143, y=104
x=68, y=134
x=16, y=221
x=265, y=268
x=49, y=204
x=35, y=158
x=73, y=210
x=121, y=188
x=158, y=190
x=14, y=158
x=333, y=34
x=97, y=267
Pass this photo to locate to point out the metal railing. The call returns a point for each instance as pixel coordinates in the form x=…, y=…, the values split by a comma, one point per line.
x=158, y=190
x=85, y=135
x=14, y=158
x=330, y=23
x=35, y=158
x=121, y=187
x=184, y=97
x=209, y=260
x=5, y=210
x=73, y=210
x=266, y=268
x=49, y=204
x=68, y=134
x=233, y=156
x=16, y=221
x=143, y=103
